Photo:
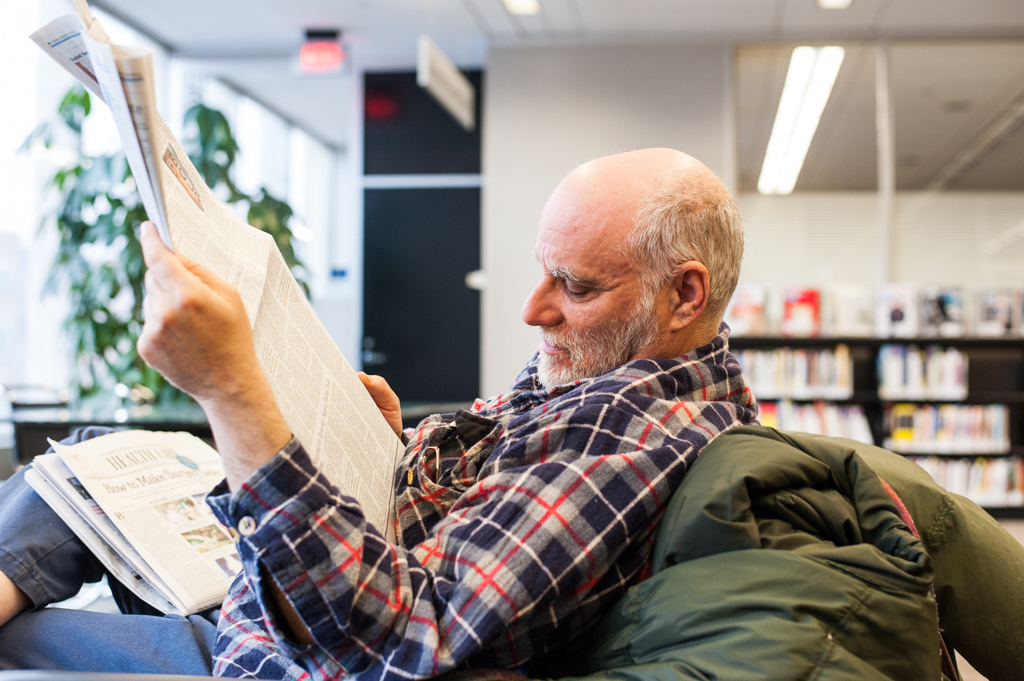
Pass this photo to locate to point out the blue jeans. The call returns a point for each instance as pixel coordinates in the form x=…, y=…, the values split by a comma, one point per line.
x=45, y=559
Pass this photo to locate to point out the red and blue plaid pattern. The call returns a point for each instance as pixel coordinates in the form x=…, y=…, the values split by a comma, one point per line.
x=520, y=523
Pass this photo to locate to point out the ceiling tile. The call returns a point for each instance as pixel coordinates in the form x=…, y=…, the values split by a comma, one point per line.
x=843, y=154
x=917, y=17
x=1002, y=169
x=944, y=95
x=499, y=21
x=565, y=17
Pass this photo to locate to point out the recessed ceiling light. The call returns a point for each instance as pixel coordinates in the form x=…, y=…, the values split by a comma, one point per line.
x=522, y=7
x=834, y=4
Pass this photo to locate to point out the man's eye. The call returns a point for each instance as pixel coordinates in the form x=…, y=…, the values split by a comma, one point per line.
x=576, y=291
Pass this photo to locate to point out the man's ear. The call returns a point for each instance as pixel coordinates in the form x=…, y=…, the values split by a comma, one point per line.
x=690, y=287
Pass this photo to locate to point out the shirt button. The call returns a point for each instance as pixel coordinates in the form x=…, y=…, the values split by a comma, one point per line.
x=246, y=526
x=234, y=534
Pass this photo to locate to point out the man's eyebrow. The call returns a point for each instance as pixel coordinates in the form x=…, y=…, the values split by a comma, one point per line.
x=568, y=274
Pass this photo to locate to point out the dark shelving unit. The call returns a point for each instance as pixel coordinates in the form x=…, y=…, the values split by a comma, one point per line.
x=995, y=376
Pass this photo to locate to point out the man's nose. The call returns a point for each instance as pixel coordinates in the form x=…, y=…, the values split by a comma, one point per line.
x=540, y=308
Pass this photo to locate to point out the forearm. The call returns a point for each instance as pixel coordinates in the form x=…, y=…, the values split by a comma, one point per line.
x=248, y=428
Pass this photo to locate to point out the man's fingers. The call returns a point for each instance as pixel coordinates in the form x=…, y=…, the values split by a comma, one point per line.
x=385, y=399
x=151, y=283
x=160, y=260
x=206, y=276
x=173, y=272
x=375, y=385
x=153, y=247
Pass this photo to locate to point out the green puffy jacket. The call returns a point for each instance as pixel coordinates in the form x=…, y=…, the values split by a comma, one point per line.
x=782, y=556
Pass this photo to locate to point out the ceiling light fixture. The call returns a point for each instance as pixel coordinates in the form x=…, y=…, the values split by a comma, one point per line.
x=812, y=73
x=834, y=4
x=522, y=7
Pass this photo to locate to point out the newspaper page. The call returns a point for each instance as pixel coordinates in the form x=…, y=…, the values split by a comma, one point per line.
x=60, y=489
x=80, y=45
x=62, y=39
x=153, y=488
x=323, y=401
x=206, y=230
x=133, y=107
x=125, y=75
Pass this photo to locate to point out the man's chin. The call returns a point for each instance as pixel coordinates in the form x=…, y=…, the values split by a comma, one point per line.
x=558, y=372
x=551, y=373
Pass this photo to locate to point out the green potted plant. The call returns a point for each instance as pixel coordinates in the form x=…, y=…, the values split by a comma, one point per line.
x=99, y=259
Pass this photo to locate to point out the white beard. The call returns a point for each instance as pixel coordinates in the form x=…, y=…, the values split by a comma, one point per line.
x=598, y=350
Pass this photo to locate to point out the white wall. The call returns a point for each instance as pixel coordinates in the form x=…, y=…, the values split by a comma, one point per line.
x=548, y=109
x=819, y=238
x=811, y=239
x=965, y=239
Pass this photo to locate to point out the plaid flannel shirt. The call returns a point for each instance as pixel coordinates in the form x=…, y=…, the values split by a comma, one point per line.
x=520, y=522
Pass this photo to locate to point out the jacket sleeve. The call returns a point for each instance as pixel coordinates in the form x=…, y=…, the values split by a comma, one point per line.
x=979, y=567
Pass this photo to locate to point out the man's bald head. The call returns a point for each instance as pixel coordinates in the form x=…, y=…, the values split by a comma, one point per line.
x=670, y=208
x=638, y=173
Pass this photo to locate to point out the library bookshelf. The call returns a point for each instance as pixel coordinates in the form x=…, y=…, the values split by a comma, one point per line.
x=994, y=376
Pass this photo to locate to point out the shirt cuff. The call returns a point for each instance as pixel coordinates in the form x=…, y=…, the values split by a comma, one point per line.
x=262, y=498
x=270, y=504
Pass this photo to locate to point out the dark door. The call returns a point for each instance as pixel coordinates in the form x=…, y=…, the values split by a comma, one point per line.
x=421, y=324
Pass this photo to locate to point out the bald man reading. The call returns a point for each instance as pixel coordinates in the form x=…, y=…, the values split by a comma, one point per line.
x=520, y=521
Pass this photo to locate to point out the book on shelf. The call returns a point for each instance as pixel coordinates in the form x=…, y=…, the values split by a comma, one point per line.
x=818, y=418
x=801, y=374
x=896, y=311
x=1018, y=309
x=745, y=314
x=907, y=372
x=942, y=311
x=848, y=310
x=947, y=429
x=319, y=393
x=801, y=312
x=991, y=482
x=994, y=311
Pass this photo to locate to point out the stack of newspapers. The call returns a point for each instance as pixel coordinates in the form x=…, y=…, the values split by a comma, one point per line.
x=137, y=500
x=320, y=395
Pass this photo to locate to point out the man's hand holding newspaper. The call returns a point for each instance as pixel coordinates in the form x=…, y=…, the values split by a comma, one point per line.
x=198, y=336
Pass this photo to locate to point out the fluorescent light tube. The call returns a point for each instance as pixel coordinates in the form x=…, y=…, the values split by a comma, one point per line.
x=522, y=7
x=834, y=4
x=812, y=73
